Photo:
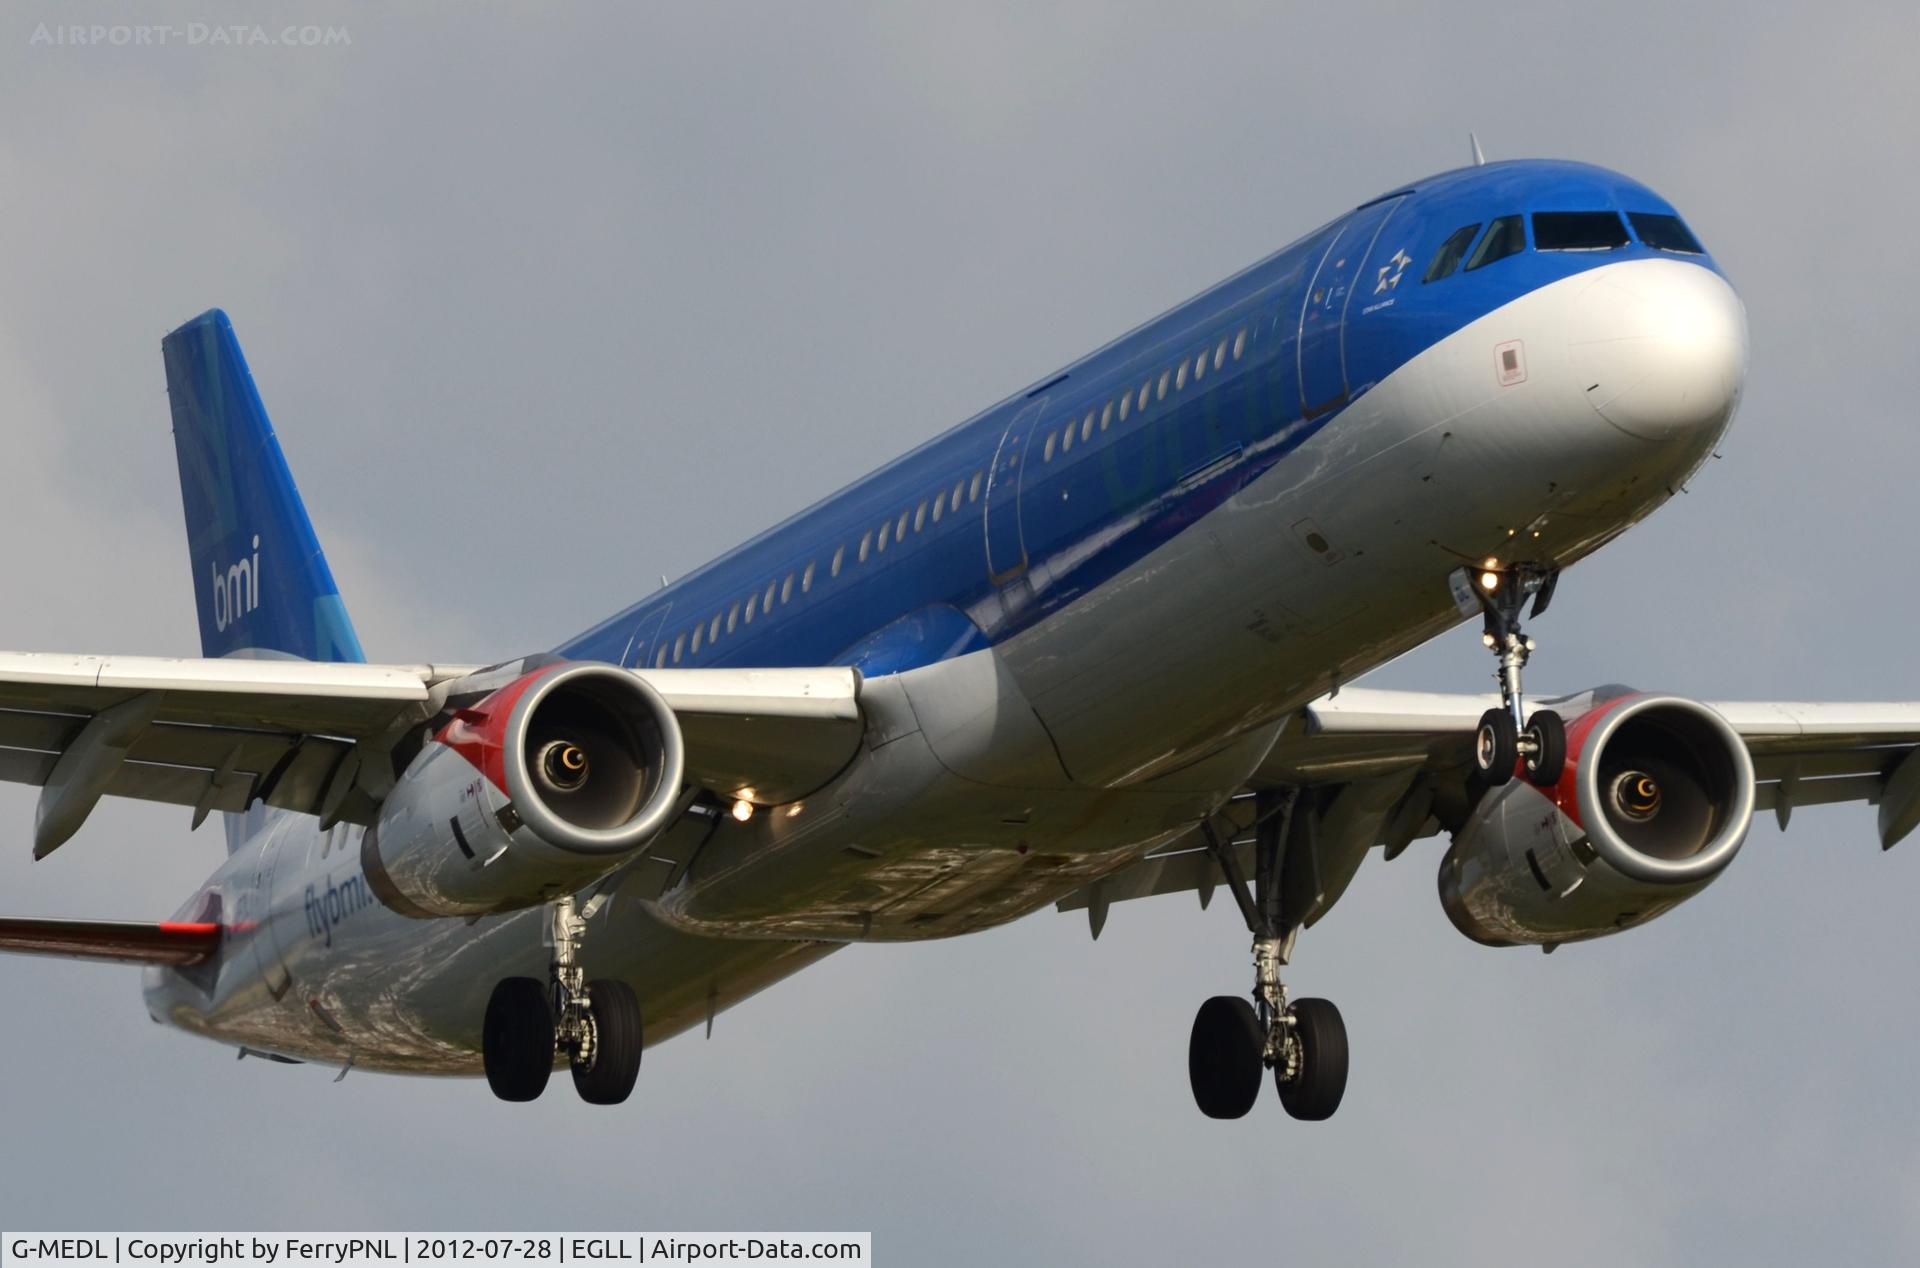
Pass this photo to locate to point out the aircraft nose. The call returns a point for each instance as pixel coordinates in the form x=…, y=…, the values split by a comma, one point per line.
x=1660, y=347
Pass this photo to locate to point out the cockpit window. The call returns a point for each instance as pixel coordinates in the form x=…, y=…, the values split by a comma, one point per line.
x=1578, y=231
x=1447, y=258
x=1664, y=233
x=1505, y=236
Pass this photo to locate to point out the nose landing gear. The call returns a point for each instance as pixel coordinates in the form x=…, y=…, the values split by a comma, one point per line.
x=1304, y=1042
x=528, y=1023
x=1507, y=738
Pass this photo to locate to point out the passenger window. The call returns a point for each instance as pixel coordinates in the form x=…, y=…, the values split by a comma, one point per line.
x=1505, y=236
x=839, y=557
x=1180, y=377
x=920, y=517
x=679, y=646
x=1086, y=427
x=786, y=589
x=1448, y=257
x=733, y=618
x=886, y=535
x=1164, y=376
x=1066, y=438
x=806, y=578
x=1046, y=454
x=1106, y=416
x=766, y=600
x=900, y=529
x=1200, y=365
x=1578, y=231
x=1146, y=390
x=698, y=630
x=752, y=601
x=939, y=504
x=973, y=490
x=660, y=659
x=1220, y=355
x=1665, y=233
x=713, y=631
x=959, y=487
x=866, y=543
x=1126, y=404
x=1239, y=343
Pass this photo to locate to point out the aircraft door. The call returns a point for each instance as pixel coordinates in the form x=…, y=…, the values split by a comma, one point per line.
x=1323, y=310
x=644, y=651
x=1006, y=548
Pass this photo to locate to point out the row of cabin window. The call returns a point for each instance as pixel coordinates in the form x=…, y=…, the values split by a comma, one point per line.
x=1174, y=379
x=931, y=510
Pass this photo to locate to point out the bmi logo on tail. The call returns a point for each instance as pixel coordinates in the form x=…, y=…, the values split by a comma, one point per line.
x=236, y=591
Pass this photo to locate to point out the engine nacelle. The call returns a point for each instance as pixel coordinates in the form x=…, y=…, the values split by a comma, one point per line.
x=1654, y=801
x=543, y=787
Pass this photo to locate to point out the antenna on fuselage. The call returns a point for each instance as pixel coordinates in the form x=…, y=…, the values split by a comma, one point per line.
x=1479, y=156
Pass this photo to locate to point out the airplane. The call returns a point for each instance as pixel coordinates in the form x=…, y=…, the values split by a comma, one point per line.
x=1094, y=644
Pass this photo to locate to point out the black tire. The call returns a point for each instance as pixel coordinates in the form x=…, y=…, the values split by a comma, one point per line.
x=1223, y=1057
x=1549, y=755
x=1496, y=747
x=616, y=1045
x=516, y=1040
x=1316, y=1092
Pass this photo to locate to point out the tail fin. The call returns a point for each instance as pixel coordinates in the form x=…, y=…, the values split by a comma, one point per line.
x=260, y=581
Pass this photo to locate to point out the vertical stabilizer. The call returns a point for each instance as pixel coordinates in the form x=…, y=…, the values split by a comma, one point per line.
x=261, y=583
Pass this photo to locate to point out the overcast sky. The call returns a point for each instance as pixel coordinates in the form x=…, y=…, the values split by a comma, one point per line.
x=655, y=277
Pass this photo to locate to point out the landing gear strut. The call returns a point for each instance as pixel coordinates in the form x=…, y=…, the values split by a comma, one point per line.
x=529, y=1023
x=1303, y=1042
x=1507, y=737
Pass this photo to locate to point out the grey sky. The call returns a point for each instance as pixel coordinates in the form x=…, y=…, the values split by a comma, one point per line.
x=647, y=279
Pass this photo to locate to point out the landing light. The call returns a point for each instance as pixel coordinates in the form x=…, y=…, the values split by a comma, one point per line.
x=743, y=810
x=1489, y=581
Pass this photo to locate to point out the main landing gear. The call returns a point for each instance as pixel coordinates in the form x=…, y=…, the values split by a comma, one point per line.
x=1507, y=738
x=1236, y=1039
x=529, y=1022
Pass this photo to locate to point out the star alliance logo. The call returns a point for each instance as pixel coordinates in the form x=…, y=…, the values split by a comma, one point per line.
x=1390, y=272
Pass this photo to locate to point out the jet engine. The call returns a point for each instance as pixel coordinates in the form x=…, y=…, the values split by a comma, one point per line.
x=1653, y=801
x=541, y=788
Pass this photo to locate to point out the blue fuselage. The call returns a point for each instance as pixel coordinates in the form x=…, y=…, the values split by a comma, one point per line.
x=1123, y=449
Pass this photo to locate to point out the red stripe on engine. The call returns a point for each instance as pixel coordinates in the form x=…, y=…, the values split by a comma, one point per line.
x=1566, y=792
x=478, y=733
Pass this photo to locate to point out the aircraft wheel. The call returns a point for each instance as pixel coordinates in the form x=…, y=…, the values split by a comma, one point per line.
x=1315, y=1090
x=1549, y=755
x=1223, y=1057
x=616, y=1044
x=1496, y=747
x=516, y=1040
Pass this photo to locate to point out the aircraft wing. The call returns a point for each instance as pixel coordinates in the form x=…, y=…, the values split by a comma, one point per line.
x=1381, y=768
x=220, y=734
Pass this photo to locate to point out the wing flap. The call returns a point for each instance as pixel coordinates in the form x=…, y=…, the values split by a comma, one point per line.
x=177, y=943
